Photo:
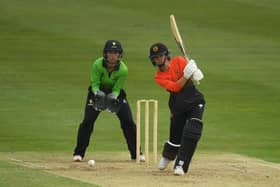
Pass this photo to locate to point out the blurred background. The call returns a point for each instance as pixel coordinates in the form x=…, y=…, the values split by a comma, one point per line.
x=47, y=48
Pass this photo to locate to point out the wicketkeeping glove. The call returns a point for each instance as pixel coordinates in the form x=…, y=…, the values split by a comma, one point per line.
x=98, y=95
x=99, y=100
x=113, y=103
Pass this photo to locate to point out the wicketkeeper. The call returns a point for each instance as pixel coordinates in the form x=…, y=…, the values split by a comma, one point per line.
x=106, y=92
x=186, y=104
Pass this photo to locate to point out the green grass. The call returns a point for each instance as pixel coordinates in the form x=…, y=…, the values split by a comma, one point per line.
x=22, y=176
x=47, y=47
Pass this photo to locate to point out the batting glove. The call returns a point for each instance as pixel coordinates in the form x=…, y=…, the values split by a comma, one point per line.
x=190, y=68
x=197, y=75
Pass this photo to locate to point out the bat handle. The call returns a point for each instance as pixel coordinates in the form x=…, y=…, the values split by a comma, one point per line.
x=187, y=58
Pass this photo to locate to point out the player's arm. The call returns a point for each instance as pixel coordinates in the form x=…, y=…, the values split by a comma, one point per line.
x=95, y=78
x=182, y=81
x=181, y=64
x=120, y=81
x=168, y=84
x=97, y=97
x=113, y=103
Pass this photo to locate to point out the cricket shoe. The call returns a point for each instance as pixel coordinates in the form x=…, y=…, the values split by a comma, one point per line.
x=142, y=158
x=77, y=158
x=179, y=171
x=163, y=163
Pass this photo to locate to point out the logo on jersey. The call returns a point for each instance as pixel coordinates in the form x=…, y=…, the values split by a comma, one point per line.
x=200, y=105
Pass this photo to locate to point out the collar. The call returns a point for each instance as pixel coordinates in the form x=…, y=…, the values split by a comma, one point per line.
x=104, y=64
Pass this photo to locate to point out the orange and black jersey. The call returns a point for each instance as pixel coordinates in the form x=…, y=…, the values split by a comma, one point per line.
x=181, y=98
x=168, y=79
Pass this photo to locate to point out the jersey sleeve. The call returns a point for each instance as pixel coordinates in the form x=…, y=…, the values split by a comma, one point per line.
x=95, y=77
x=167, y=84
x=120, y=81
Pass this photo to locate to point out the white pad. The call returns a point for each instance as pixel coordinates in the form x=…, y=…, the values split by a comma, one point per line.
x=163, y=163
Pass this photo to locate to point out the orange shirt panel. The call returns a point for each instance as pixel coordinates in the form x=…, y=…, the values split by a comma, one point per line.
x=168, y=79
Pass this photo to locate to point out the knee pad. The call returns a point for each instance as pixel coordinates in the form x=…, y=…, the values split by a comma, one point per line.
x=170, y=150
x=191, y=135
x=193, y=129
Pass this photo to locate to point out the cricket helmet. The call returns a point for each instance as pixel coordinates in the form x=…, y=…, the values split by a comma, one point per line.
x=112, y=45
x=158, y=49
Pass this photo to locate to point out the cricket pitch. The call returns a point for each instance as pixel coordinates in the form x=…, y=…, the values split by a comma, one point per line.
x=116, y=169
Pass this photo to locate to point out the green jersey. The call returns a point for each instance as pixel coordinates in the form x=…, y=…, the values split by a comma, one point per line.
x=102, y=79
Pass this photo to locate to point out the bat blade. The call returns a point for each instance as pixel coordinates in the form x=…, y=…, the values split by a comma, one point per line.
x=177, y=36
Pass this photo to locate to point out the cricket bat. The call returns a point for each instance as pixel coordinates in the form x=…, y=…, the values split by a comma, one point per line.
x=177, y=36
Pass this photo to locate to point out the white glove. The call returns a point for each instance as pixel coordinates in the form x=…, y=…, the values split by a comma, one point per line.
x=190, y=68
x=197, y=75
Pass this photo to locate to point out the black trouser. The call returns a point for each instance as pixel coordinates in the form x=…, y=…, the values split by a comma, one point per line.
x=183, y=106
x=86, y=128
x=178, y=121
x=178, y=128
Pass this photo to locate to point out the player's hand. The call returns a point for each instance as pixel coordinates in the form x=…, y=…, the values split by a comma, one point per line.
x=98, y=94
x=113, y=103
x=112, y=98
x=197, y=75
x=99, y=103
x=190, y=68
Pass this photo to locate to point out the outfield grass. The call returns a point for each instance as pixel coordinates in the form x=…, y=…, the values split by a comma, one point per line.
x=46, y=50
x=12, y=175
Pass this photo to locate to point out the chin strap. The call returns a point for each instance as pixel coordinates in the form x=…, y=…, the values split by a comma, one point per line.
x=161, y=64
